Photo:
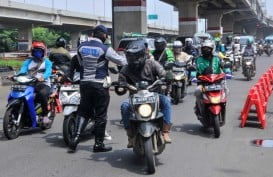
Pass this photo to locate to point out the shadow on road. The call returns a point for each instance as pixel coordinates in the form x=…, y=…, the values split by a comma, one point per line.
x=124, y=159
x=194, y=129
x=24, y=132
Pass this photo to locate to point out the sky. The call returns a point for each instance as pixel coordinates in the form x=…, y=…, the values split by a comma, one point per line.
x=166, y=14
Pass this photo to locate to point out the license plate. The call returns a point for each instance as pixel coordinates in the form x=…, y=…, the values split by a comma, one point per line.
x=213, y=87
x=142, y=100
x=176, y=69
x=18, y=87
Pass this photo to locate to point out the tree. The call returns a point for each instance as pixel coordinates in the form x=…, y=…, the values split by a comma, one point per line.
x=8, y=40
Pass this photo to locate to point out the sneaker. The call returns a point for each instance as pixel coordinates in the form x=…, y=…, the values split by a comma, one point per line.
x=107, y=136
x=46, y=120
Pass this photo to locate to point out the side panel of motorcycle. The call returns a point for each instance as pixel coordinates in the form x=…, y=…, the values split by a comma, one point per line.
x=215, y=109
x=69, y=109
x=146, y=129
x=31, y=107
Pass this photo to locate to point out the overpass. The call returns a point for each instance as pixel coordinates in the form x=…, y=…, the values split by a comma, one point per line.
x=26, y=16
x=226, y=16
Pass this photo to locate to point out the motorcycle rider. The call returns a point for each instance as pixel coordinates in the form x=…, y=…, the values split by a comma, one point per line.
x=94, y=86
x=140, y=68
x=236, y=47
x=207, y=63
x=249, y=50
x=40, y=67
x=190, y=49
x=178, y=53
x=162, y=54
x=229, y=43
x=60, y=56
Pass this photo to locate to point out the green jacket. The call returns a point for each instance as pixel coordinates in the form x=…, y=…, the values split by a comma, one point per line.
x=202, y=64
x=166, y=56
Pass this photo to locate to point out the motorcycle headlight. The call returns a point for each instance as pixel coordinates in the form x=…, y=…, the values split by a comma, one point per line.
x=215, y=100
x=145, y=110
x=248, y=63
x=178, y=77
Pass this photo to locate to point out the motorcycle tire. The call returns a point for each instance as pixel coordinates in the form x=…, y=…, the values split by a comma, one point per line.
x=51, y=115
x=176, y=95
x=149, y=155
x=69, y=126
x=11, y=131
x=248, y=74
x=216, y=126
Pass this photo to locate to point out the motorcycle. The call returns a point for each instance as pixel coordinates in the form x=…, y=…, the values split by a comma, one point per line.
x=146, y=119
x=179, y=88
x=227, y=66
x=213, y=111
x=248, y=67
x=23, y=111
x=70, y=100
x=268, y=49
x=260, y=50
x=237, y=61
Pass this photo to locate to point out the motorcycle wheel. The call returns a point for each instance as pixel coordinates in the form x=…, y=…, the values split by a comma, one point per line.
x=11, y=130
x=69, y=125
x=216, y=126
x=51, y=115
x=176, y=95
x=248, y=74
x=149, y=155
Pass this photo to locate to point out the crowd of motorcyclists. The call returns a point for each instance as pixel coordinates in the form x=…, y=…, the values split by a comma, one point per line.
x=175, y=67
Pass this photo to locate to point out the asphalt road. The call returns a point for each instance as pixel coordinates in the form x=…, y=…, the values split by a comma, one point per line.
x=193, y=152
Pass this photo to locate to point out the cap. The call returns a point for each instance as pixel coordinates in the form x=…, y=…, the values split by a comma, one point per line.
x=100, y=28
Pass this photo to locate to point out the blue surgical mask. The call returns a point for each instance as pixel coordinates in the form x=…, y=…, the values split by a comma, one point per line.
x=37, y=53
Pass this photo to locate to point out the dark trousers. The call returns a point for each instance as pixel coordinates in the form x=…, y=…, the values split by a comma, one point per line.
x=42, y=96
x=94, y=98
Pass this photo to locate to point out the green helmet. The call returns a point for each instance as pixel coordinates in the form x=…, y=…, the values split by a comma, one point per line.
x=249, y=41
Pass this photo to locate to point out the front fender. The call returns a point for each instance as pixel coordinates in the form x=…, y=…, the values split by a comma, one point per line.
x=215, y=109
x=146, y=129
x=12, y=102
x=69, y=109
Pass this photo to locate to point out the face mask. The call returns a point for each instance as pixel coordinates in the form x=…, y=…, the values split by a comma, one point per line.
x=206, y=53
x=37, y=53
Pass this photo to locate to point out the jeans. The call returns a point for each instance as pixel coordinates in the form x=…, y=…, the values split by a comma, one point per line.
x=164, y=103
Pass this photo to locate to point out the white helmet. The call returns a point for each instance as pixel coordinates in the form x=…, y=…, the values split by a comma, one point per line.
x=209, y=43
x=237, y=39
x=188, y=41
x=177, y=44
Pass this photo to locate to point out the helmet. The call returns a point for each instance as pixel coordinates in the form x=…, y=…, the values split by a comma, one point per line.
x=177, y=46
x=236, y=39
x=249, y=41
x=207, y=44
x=188, y=41
x=160, y=43
x=60, y=42
x=135, y=53
x=229, y=39
x=38, y=50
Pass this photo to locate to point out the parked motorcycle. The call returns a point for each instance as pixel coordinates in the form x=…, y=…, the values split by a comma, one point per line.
x=214, y=100
x=146, y=119
x=23, y=111
x=248, y=67
x=179, y=88
x=70, y=100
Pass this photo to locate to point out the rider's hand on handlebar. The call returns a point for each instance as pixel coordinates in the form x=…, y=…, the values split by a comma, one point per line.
x=41, y=79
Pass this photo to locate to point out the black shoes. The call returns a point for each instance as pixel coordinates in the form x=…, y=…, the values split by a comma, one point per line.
x=100, y=147
x=73, y=144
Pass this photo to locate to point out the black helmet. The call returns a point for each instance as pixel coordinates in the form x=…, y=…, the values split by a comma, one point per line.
x=160, y=43
x=229, y=39
x=60, y=42
x=135, y=53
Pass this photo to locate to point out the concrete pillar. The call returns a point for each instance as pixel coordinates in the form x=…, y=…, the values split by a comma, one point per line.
x=214, y=24
x=128, y=16
x=238, y=28
x=74, y=40
x=188, y=17
x=24, y=38
x=251, y=29
x=227, y=23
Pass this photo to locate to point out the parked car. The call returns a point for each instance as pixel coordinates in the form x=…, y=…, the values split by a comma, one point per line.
x=127, y=39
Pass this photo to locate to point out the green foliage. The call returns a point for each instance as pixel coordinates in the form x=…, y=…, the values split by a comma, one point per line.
x=8, y=40
x=16, y=64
